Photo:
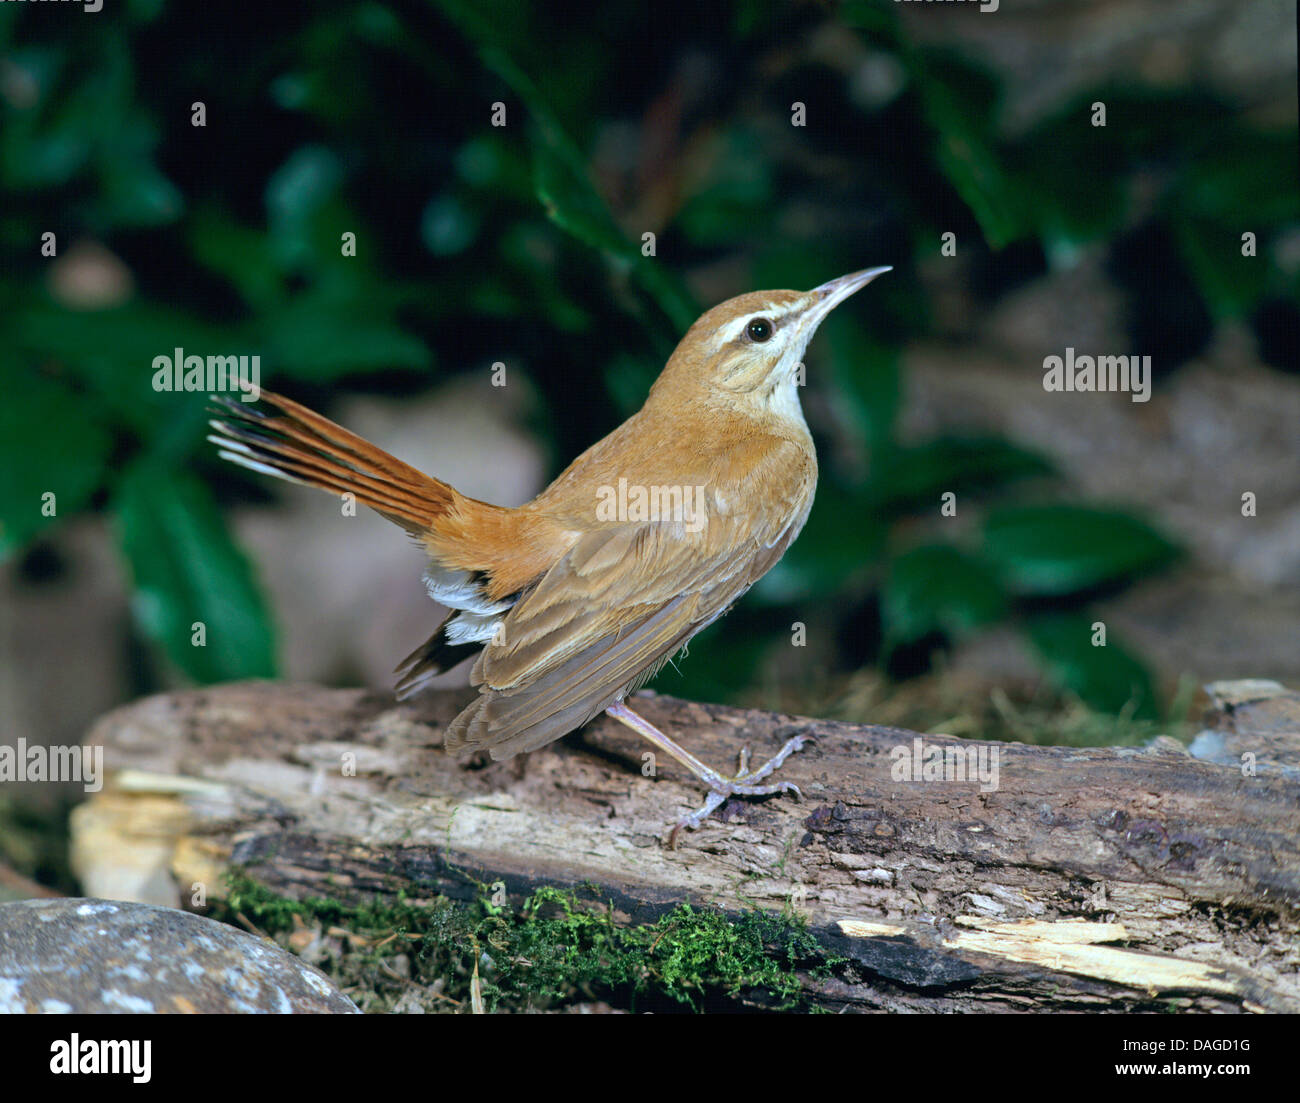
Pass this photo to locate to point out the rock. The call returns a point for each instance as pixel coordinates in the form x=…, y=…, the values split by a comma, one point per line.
x=1255, y=725
x=1244, y=691
x=105, y=956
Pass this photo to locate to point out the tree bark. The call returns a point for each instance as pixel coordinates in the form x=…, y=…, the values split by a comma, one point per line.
x=1120, y=879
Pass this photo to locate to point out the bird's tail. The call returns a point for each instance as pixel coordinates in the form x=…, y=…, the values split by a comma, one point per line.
x=481, y=556
x=301, y=446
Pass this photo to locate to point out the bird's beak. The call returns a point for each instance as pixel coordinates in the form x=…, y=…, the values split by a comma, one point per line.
x=829, y=295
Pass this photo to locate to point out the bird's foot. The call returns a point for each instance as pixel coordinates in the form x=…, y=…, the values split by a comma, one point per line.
x=772, y=764
x=743, y=784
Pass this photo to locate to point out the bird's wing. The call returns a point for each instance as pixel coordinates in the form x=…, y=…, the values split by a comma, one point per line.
x=621, y=602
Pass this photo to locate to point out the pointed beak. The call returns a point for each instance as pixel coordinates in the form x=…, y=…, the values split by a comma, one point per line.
x=829, y=295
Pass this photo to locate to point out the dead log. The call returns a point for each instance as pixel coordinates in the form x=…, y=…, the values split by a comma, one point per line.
x=1119, y=879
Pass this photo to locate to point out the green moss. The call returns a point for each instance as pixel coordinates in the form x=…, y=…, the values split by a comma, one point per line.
x=553, y=950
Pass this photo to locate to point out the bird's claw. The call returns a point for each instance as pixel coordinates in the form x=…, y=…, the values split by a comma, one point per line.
x=742, y=785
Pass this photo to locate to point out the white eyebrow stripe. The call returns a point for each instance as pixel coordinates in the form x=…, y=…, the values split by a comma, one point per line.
x=734, y=328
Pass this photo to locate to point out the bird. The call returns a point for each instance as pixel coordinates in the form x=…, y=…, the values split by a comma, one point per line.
x=572, y=601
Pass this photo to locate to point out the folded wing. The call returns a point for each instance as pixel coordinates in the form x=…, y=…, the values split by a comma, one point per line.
x=605, y=618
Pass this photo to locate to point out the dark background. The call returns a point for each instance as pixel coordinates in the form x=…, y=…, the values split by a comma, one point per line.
x=521, y=245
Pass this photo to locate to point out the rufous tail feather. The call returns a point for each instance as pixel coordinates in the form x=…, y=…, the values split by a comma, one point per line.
x=301, y=446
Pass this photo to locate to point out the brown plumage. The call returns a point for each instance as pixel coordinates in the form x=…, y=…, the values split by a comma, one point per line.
x=569, y=601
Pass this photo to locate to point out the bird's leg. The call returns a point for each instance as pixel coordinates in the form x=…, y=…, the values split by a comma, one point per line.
x=720, y=787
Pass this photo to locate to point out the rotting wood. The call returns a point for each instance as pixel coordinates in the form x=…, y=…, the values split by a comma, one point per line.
x=1104, y=878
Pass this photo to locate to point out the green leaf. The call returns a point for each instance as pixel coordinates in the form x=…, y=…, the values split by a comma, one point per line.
x=729, y=656
x=868, y=374
x=1232, y=284
x=908, y=476
x=841, y=541
x=188, y=572
x=318, y=339
x=1242, y=170
x=136, y=194
x=1230, y=174
x=939, y=588
x=1106, y=677
x=490, y=164
x=1062, y=549
x=561, y=177
x=876, y=19
x=239, y=254
x=112, y=352
x=735, y=197
x=573, y=204
x=628, y=379
x=51, y=442
x=298, y=194
x=959, y=101
x=1067, y=207
x=448, y=226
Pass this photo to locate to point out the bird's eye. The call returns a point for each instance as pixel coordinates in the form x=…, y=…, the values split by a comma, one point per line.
x=760, y=329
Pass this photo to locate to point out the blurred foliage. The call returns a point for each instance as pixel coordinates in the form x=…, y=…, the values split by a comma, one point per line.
x=478, y=243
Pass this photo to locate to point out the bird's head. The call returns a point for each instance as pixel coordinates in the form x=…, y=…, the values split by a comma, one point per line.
x=750, y=347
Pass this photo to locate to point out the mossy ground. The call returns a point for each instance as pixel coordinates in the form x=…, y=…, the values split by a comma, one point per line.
x=554, y=952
